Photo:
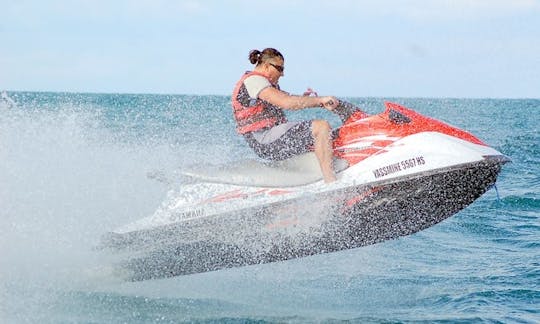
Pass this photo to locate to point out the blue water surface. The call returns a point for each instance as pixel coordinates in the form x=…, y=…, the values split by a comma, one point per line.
x=74, y=166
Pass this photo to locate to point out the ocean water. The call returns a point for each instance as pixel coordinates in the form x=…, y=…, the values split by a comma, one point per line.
x=73, y=166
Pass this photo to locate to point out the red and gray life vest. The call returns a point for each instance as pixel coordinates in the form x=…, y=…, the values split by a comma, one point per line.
x=253, y=114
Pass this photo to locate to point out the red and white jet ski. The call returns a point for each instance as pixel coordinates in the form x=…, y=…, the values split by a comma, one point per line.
x=398, y=172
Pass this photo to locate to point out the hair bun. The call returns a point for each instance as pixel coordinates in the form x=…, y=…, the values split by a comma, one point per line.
x=254, y=56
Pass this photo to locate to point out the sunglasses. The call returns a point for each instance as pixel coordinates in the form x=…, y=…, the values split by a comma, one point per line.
x=279, y=68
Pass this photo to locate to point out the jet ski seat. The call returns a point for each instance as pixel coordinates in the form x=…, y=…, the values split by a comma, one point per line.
x=299, y=170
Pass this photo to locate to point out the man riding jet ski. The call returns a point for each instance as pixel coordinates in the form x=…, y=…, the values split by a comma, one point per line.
x=397, y=172
x=259, y=104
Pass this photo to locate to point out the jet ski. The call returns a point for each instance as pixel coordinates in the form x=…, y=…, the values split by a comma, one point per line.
x=398, y=172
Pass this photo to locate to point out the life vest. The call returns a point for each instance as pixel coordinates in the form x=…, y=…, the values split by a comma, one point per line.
x=253, y=114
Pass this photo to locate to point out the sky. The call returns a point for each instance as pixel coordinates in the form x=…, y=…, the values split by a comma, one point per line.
x=379, y=48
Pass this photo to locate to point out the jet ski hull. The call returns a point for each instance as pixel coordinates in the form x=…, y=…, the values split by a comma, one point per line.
x=316, y=223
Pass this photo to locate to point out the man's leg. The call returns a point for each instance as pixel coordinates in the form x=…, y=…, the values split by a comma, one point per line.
x=323, y=148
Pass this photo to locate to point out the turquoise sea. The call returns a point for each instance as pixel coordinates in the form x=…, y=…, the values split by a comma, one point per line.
x=73, y=166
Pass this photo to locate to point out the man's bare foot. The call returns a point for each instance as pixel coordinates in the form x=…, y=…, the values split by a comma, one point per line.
x=330, y=179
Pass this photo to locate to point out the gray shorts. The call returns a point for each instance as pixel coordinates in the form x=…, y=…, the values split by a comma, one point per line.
x=282, y=141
